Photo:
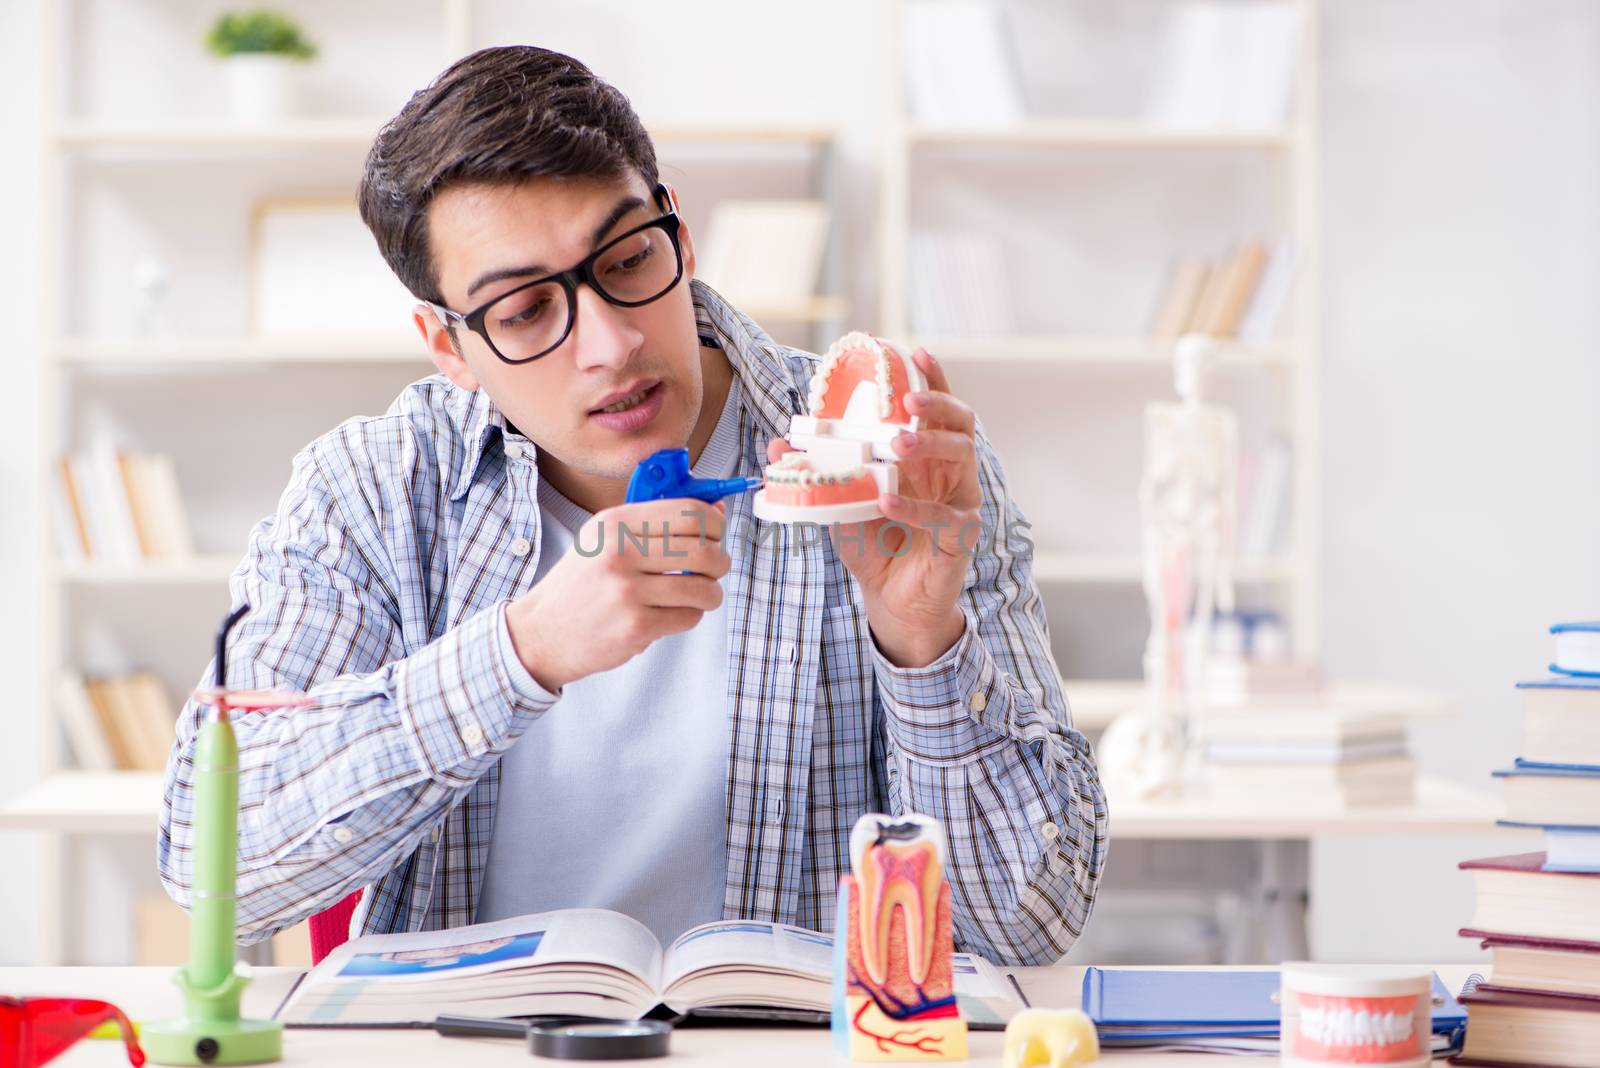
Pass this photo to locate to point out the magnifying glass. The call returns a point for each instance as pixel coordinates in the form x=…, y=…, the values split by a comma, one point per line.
x=570, y=1039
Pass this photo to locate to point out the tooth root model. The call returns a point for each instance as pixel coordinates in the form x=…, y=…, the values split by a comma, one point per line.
x=856, y=407
x=893, y=986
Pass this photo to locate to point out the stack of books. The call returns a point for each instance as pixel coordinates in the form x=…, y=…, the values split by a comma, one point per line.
x=1539, y=913
x=1318, y=757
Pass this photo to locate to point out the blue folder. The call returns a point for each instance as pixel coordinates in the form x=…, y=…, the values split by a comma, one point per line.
x=1142, y=1005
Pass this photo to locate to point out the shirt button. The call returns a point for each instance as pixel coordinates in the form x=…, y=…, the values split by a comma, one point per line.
x=521, y=547
x=472, y=734
x=977, y=702
x=433, y=835
x=1049, y=830
x=342, y=834
x=514, y=450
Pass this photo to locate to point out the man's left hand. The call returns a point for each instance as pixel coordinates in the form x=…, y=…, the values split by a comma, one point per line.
x=912, y=564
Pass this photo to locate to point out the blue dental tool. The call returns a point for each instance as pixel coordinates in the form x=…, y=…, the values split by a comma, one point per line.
x=665, y=475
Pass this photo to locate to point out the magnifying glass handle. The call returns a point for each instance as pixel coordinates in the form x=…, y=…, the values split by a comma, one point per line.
x=485, y=1026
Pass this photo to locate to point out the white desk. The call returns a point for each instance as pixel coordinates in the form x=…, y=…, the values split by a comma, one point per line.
x=1275, y=927
x=148, y=993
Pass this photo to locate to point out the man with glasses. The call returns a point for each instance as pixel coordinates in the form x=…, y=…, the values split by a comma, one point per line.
x=531, y=695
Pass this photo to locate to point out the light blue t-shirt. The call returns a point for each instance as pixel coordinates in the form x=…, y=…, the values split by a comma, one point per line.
x=617, y=796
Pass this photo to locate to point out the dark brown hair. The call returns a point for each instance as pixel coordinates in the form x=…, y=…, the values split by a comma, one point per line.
x=498, y=115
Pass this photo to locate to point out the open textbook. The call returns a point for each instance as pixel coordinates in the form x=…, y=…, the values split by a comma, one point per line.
x=595, y=962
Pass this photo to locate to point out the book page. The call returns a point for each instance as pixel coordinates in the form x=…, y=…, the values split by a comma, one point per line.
x=751, y=944
x=582, y=961
x=748, y=962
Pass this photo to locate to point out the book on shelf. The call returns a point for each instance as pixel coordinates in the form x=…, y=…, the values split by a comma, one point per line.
x=1186, y=281
x=765, y=252
x=1265, y=309
x=1517, y=896
x=1236, y=679
x=960, y=67
x=87, y=736
x=1263, y=506
x=119, y=507
x=595, y=962
x=1539, y=1029
x=135, y=716
x=1541, y=964
x=1577, y=649
x=1561, y=720
x=1302, y=785
x=1288, y=721
x=1241, y=273
x=1310, y=758
x=1558, y=795
x=1225, y=66
x=160, y=931
x=957, y=285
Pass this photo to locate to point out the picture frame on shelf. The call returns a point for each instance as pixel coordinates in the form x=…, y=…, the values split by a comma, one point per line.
x=315, y=270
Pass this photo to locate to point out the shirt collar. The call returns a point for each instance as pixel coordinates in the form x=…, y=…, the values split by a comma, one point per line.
x=773, y=386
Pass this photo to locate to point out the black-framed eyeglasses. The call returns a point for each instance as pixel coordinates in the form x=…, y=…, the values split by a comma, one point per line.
x=533, y=319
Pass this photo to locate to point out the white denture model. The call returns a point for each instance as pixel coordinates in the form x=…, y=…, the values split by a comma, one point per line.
x=844, y=460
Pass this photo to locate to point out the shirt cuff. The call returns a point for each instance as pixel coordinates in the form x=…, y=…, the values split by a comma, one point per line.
x=523, y=683
x=458, y=699
x=939, y=712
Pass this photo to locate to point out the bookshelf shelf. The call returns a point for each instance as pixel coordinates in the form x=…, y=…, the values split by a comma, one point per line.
x=89, y=133
x=1094, y=133
x=242, y=350
x=1091, y=568
x=818, y=309
x=88, y=802
x=355, y=132
x=1070, y=349
x=197, y=570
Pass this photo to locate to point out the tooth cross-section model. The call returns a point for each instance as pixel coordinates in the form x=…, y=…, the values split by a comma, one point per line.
x=857, y=406
x=893, y=986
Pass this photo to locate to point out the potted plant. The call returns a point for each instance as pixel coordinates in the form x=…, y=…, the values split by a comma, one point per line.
x=260, y=50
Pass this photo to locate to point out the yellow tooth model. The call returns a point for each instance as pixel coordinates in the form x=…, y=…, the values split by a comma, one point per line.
x=1049, y=1038
x=893, y=987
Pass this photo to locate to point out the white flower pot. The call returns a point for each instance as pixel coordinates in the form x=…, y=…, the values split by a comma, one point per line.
x=260, y=85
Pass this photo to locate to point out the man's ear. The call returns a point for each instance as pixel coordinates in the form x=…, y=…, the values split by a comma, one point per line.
x=442, y=347
x=685, y=238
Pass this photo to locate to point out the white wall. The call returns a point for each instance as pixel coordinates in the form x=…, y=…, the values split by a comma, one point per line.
x=1460, y=509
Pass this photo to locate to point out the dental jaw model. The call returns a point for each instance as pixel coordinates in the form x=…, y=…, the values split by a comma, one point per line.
x=893, y=986
x=856, y=407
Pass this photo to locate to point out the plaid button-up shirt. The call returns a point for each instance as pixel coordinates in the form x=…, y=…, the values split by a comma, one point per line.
x=380, y=587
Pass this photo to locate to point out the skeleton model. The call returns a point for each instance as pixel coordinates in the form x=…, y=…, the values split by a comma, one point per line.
x=1187, y=499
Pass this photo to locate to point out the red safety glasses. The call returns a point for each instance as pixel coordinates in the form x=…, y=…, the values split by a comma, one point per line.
x=33, y=1031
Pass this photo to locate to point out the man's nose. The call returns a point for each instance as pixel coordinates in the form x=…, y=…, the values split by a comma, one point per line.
x=603, y=336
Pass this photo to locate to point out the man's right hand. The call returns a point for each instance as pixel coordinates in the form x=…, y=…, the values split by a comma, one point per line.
x=594, y=612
